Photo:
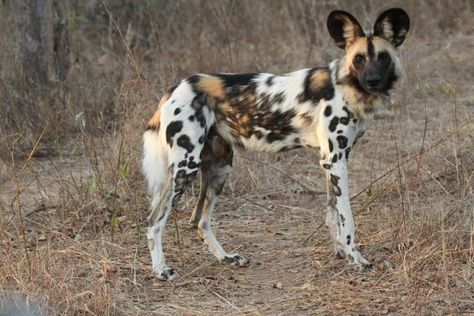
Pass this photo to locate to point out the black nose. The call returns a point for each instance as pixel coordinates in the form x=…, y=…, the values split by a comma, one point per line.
x=373, y=80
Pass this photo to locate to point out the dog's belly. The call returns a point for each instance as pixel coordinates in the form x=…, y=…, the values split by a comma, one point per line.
x=265, y=140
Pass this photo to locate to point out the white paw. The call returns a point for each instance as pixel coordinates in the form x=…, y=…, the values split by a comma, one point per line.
x=166, y=274
x=235, y=260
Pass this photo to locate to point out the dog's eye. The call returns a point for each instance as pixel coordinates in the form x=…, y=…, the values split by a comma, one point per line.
x=359, y=59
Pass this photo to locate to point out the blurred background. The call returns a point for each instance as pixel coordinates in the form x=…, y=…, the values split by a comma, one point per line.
x=80, y=79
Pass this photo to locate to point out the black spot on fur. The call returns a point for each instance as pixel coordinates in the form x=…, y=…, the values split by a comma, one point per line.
x=273, y=137
x=326, y=166
x=171, y=90
x=278, y=98
x=201, y=140
x=342, y=141
x=242, y=79
x=199, y=101
x=343, y=220
x=182, y=164
x=331, y=146
x=333, y=124
x=182, y=179
x=185, y=142
x=193, y=80
x=348, y=239
x=269, y=81
x=345, y=120
x=336, y=190
x=334, y=158
x=181, y=174
x=280, y=125
x=163, y=213
x=334, y=179
x=348, y=150
x=354, y=120
x=339, y=131
x=191, y=158
x=177, y=111
x=315, y=94
x=340, y=156
x=349, y=112
x=172, y=129
x=200, y=117
x=192, y=165
x=258, y=134
x=328, y=111
x=191, y=118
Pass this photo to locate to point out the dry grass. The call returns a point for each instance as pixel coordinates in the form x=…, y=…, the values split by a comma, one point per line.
x=73, y=206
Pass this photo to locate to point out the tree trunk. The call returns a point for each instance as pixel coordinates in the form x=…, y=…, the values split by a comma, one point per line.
x=46, y=46
x=38, y=44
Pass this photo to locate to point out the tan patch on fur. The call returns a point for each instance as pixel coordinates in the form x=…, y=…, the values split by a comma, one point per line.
x=362, y=104
x=244, y=125
x=320, y=78
x=225, y=108
x=213, y=86
x=306, y=119
x=154, y=122
x=151, y=244
x=359, y=46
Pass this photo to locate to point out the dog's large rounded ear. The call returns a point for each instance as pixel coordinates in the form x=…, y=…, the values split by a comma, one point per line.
x=392, y=25
x=344, y=28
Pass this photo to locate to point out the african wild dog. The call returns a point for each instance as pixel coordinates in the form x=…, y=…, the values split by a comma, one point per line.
x=199, y=123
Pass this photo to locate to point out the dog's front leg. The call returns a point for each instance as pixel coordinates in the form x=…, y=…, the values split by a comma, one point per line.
x=339, y=214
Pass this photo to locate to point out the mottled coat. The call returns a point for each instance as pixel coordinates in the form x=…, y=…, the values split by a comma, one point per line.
x=205, y=117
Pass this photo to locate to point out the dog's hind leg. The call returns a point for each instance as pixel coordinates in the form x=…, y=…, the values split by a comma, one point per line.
x=177, y=181
x=171, y=162
x=216, y=166
x=204, y=226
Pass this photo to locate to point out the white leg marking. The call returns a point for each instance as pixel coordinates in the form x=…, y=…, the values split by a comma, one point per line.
x=210, y=240
x=155, y=232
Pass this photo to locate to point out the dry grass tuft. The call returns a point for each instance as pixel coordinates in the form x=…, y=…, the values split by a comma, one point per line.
x=73, y=207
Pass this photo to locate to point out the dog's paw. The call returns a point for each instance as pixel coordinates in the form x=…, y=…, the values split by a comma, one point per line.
x=235, y=260
x=339, y=253
x=360, y=262
x=365, y=267
x=166, y=274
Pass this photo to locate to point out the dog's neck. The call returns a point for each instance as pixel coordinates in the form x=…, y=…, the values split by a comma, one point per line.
x=364, y=104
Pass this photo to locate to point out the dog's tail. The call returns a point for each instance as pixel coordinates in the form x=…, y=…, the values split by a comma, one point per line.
x=155, y=156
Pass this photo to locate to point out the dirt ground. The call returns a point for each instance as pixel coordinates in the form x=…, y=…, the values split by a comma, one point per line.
x=73, y=218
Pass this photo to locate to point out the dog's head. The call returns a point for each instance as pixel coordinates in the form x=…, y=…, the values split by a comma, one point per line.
x=371, y=62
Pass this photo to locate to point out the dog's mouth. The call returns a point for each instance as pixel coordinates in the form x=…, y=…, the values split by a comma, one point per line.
x=373, y=89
